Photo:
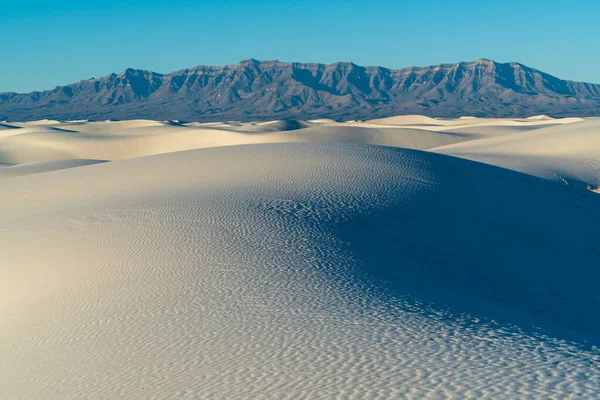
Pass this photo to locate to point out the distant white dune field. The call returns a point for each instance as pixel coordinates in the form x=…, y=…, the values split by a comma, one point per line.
x=569, y=153
x=297, y=270
x=127, y=139
x=115, y=144
x=48, y=140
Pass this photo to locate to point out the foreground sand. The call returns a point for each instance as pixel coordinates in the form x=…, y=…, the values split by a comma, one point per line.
x=295, y=270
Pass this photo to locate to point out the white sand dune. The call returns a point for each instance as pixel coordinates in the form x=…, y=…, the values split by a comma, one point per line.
x=253, y=267
x=109, y=142
x=11, y=171
x=283, y=125
x=43, y=141
x=42, y=122
x=486, y=131
x=5, y=125
x=541, y=117
x=569, y=153
x=407, y=120
x=298, y=270
x=397, y=137
x=464, y=122
x=7, y=130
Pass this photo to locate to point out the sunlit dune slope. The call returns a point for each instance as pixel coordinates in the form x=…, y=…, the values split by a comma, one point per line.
x=297, y=270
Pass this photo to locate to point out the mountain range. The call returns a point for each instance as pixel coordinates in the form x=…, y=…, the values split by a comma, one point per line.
x=261, y=90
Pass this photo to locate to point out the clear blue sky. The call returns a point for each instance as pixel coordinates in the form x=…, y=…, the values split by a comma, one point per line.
x=47, y=43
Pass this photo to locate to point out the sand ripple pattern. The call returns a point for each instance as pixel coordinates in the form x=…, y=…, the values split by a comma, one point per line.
x=294, y=271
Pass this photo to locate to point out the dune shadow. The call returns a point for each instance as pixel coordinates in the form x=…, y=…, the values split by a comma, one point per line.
x=491, y=243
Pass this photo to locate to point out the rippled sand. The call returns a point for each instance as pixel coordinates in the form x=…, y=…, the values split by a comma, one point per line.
x=295, y=270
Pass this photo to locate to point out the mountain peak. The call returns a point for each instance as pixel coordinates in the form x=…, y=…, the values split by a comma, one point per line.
x=250, y=61
x=137, y=72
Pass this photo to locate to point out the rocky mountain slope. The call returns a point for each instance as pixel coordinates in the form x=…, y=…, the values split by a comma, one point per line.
x=259, y=90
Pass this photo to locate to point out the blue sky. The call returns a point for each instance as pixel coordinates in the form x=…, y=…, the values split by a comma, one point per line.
x=47, y=43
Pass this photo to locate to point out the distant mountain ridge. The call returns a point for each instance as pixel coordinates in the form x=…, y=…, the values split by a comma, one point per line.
x=260, y=90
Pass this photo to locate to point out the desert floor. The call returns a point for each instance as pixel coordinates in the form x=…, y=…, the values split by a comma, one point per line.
x=406, y=257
